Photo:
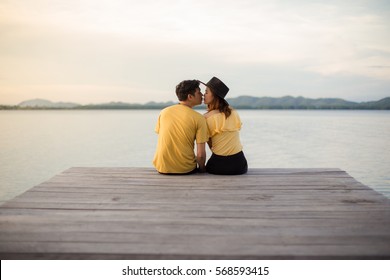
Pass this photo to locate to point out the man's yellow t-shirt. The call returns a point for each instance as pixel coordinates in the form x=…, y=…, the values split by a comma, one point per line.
x=178, y=126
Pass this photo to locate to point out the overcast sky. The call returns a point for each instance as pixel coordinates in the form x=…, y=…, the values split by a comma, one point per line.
x=93, y=51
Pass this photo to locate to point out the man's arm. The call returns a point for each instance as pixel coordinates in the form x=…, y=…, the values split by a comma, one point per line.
x=201, y=156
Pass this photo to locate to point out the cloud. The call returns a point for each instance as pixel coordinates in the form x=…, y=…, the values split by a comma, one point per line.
x=49, y=60
x=132, y=48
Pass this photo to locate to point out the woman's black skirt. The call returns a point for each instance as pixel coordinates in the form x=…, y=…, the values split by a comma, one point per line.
x=227, y=165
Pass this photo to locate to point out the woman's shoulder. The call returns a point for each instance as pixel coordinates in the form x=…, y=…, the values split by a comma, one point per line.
x=234, y=111
x=211, y=113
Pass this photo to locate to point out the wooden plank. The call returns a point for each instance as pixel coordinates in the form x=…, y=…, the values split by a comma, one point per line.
x=136, y=213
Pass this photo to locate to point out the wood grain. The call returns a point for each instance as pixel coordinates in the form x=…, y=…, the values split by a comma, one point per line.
x=136, y=213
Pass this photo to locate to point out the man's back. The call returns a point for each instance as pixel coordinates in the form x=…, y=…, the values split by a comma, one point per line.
x=178, y=127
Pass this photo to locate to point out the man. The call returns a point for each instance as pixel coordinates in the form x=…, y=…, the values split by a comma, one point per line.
x=178, y=126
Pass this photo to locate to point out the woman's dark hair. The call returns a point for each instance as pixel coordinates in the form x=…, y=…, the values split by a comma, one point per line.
x=185, y=88
x=221, y=105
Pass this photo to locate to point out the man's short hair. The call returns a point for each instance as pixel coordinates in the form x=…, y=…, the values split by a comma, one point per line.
x=185, y=88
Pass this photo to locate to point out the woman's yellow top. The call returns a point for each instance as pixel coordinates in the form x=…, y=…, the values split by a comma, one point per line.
x=224, y=132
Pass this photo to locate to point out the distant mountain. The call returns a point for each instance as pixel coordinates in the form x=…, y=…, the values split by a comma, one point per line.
x=289, y=102
x=383, y=104
x=43, y=103
x=242, y=102
x=111, y=105
x=121, y=105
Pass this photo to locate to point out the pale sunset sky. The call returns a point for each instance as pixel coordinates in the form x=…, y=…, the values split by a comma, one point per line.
x=95, y=51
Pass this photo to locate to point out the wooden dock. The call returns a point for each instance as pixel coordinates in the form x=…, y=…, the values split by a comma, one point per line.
x=136, y=213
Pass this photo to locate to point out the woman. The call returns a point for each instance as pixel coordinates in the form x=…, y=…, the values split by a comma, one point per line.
x=224, y=125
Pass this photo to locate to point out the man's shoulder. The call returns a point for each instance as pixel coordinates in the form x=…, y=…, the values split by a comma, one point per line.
x=169, y=108
x=198, y=115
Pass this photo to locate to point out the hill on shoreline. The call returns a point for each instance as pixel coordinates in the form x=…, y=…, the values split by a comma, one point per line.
x=241, y=102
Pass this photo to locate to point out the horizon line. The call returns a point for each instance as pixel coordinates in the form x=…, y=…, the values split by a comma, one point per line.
x=170, y=101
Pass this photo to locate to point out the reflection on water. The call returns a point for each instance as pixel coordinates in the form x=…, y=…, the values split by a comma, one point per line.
x=36, y=145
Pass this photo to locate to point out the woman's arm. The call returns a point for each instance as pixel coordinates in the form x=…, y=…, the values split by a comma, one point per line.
x=210, y=143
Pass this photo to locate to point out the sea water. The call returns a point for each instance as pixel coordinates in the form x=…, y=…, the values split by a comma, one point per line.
x=35, y=145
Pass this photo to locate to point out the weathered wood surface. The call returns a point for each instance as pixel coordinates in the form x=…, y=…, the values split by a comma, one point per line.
x=136, y=213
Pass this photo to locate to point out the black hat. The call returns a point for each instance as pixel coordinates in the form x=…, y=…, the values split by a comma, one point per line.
x=217, y=86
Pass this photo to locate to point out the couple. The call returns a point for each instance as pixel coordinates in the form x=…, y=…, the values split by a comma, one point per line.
x=179, y=126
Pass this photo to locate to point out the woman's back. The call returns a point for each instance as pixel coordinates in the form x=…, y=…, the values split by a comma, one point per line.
x=224, y=132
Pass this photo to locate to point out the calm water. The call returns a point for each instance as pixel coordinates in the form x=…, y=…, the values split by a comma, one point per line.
x=36, y=145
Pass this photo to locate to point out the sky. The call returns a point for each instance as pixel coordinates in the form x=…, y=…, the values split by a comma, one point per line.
x=96, y=51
